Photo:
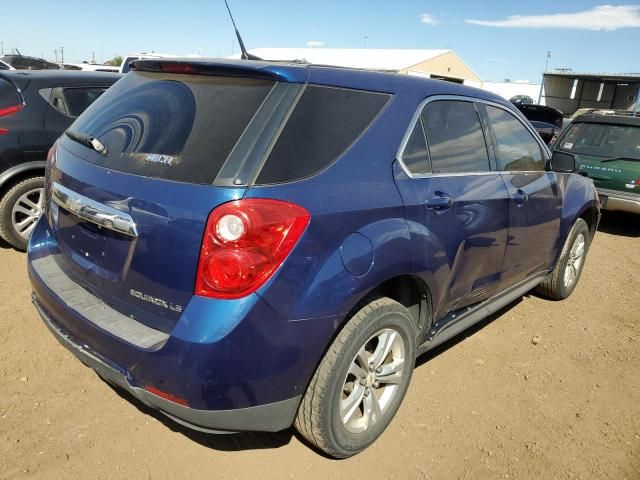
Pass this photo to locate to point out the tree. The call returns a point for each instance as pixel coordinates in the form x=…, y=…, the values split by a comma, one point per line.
x=115, y=61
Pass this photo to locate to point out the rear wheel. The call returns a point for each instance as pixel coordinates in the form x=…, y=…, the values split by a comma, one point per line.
x=20, y=209
x=564, y=277
x=361, y=381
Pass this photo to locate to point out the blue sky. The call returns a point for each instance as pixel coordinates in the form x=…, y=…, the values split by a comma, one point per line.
x=499, y=39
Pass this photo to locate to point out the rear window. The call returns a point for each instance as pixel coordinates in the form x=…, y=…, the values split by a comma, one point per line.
x=174, y=127
x=323, y=124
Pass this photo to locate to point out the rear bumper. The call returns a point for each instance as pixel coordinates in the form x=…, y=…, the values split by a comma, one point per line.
x=614, y=200
x=236, y=365
x=270, y=418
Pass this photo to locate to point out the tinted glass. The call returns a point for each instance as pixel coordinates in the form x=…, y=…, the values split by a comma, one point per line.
x=175, y=127
x=415, y=155
x=602, y=140
x=323, y=124
x=4, y=66
x=516, y=147
x=79, y=99
x=454, y=134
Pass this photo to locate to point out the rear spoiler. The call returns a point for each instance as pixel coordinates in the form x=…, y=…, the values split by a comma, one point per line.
x=226, y=68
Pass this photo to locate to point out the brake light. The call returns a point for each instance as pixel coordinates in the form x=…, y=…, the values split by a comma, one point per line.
x=8, y=111
x=12, y=109
x=638, y=182
x=245, y=242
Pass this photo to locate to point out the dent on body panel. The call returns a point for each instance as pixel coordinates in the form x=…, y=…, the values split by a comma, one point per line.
x=477, y=253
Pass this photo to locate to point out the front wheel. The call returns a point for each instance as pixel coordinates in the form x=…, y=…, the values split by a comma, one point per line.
x=563, y=279
x=360, y=383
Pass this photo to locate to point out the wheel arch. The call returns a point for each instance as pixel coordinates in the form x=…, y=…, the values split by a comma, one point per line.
x=406, y=289
x=17, y=173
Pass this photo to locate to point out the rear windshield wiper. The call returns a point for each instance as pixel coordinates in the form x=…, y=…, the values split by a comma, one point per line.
x=629, y=159
x=87, y=140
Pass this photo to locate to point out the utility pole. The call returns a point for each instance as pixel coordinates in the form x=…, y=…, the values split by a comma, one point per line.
x=93, y=57
x=61, y=54
x=546, y=67
x=2, y=48
x=364, y=41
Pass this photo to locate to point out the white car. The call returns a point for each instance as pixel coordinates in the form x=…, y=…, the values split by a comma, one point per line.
x=124, y=67
x=90, y=67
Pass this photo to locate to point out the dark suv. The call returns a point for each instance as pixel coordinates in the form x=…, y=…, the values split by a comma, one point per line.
x=250, y=245
x=35, y=108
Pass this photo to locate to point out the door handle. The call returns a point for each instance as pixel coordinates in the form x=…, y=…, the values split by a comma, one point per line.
x=439, y=202
x=520, y=197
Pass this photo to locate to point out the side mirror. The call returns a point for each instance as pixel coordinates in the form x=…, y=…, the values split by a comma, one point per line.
x=563, y=163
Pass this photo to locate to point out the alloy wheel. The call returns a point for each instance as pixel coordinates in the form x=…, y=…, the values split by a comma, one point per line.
x=26, y=211
x=372, y=380
x=576, y=256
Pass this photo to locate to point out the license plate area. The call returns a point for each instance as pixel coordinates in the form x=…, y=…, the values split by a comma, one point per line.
x=93, y=248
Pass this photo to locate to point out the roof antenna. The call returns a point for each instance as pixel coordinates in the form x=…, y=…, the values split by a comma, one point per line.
x=245, y=55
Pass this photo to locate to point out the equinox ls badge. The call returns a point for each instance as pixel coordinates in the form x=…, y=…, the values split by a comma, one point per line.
x=155, y=300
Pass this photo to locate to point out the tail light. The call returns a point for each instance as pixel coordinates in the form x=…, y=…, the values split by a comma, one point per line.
x=638, y=182
x=9, y=111
x=245, y=242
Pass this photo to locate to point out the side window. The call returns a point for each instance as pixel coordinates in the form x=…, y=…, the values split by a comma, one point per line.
x=516, y=148
x=415, y=155
x=455, y=138
x=71, y=102
x=323, y=124
x=79, y=99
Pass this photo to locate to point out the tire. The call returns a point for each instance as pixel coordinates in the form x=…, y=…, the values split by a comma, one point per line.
x=13, y=211
x=338, y=380
x=559, y=284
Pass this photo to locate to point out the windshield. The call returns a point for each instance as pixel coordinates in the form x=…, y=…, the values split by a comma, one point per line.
x=602, y=140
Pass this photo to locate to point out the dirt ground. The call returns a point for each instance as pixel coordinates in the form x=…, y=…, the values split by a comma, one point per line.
x=490, y=404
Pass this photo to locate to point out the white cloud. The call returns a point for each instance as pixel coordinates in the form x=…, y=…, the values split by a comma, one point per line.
x=313, y=44
x=601, y=17
x=428, y=19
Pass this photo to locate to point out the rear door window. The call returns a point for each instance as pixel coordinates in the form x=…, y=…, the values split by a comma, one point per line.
x=415, y=155
x=516, y=147
x=71, y=101
x=323, y=124
x=174, y=127
x=79, y=99
x=455, y=137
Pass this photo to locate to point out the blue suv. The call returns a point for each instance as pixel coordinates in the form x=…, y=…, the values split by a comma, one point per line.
x=248, y=245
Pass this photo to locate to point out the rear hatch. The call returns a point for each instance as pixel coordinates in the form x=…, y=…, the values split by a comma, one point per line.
x=129, y=220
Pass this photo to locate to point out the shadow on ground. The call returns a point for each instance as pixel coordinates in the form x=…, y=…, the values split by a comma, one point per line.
x=620, y=223
x=265, y=440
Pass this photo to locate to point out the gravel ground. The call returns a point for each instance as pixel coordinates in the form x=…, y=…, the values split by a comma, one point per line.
x=541, y=390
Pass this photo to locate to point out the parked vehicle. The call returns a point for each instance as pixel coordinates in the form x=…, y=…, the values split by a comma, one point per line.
x=309, y=232
x=22, y=62
x=521, y=100
x=35, y=108
x=90, y=67
x=608, y=149
x=546, y=120
x=126, y=61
